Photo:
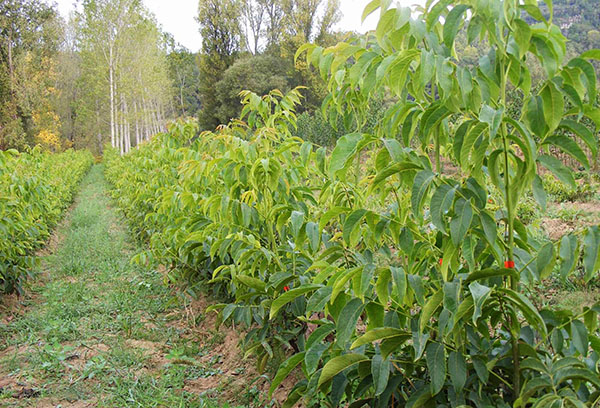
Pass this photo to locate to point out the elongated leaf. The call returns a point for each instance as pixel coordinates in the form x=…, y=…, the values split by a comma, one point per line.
x=421, y=185
x=457, y=368
x=380, y=333
x=492, y=273
x=559, y=170
x=394, y=169
x=251, y=282
x=441, y=202
x=582, y=374
x=569, y=146
x=583, y=133
x=352, y=222
x=480, y=294
x=347, y=321
x=344, y=151
x=579, y=335
x=313, y=356
x=435, y=355
x=591, y=246
x=452, y=24
x=330, y=214
x=338, y=364
x=553, y=106
x=430, y=307
x=529, y=311
x=380, y=370
x=538, y=192
x=370, y=8
x=319, y=299
x=314, y=235
x=492, y=117
x=461, y=221
x=568, y=254
x=287, y=297
x=284, y=370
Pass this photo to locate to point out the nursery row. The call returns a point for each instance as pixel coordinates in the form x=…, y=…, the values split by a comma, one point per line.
x=35, y=188
x=374, y=277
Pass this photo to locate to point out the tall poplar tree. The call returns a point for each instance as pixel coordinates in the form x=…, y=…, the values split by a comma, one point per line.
x=221, y=38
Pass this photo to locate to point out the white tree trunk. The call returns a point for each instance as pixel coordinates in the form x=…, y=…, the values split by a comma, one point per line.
x=137, y=123
x=112, y=95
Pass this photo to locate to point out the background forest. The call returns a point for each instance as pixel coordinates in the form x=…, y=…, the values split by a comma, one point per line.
x=110, y=73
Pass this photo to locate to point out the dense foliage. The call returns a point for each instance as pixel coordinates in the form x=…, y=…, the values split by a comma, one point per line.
x=35, y=188
x=390, y=282
x=29, y=41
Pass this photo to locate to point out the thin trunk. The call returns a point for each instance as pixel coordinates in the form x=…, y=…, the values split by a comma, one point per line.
x=99, y=135
x=112, y=96
x=137, y=124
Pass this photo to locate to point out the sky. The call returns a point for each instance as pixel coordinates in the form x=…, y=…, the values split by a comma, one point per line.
x=178, y=17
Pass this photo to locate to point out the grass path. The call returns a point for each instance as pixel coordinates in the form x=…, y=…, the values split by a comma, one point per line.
x=96, y=331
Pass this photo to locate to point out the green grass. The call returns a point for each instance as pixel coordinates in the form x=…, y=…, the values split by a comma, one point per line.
x=88, y=304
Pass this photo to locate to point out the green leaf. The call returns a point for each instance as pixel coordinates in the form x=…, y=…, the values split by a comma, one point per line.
x=469, y=142
x=370, y=8
x=570, y=147
x=538, y=192
x=560, y=171
x=284, y=370
x=440, y=204
x=492, y=273
x=452, y=24
x=529, y=311
x=251, y=282
x=554, y=105
x=522, y=35
x=344, y=151
x=347, y=320
x=314, y=235
x=461, y=221
x=287, y=297
x=338, y=364
x=380, y=370
x=433, y=303
x=296, y=221
x=480, y=294
x=583, y=133
x=392, y=170
x=382, y=286
x=352, y=222
x=591, y=54
x=590, y=76
x=451, y=296
x=534, y=116
x=313, y=356
x=568, y=254
x=435, y=355
x=591, y=244
x=319, y=299
x=379, y=333
x=421, y=184
x=330, y=214
x=533, y=386
x=582, y=374
x=394, y=149
x=492, y=117
x=490, y=229
x=457, y=368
